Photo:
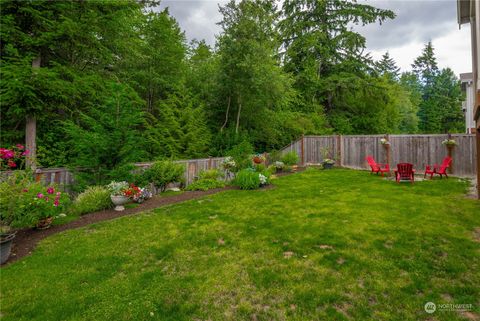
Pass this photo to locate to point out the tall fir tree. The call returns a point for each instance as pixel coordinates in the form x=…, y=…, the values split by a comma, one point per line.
x=387, y=67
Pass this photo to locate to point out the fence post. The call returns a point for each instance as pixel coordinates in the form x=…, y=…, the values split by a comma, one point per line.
x=450, y=154
x=339, y=150
x=387, y=149
x=209, y=162
x=302, y=150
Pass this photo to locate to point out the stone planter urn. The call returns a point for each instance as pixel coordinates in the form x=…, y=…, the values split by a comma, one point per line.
x=119, y=201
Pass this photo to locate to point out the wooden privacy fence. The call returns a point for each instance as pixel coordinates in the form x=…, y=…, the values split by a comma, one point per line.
x=193, y=167
x=420, y=150
x=348, y=151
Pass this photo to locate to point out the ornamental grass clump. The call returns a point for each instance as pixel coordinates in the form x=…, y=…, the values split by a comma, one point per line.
x=94, y=198
x=247, y=179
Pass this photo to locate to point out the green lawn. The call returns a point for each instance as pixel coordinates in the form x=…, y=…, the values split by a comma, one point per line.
x=321, y=245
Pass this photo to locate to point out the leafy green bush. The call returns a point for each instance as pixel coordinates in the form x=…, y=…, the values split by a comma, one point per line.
x=213, y=174
x=23, y=203
x=161, y=173
x=94, y=198
x=290, y=158
x=247, y=179
x=260, y=167
x=242, y=155
x=205, y=184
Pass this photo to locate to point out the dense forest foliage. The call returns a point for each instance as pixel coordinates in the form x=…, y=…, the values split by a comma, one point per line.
x=113, y=82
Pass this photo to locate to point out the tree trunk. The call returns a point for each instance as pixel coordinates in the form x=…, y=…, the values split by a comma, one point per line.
x=31, y=130
x=238, y=115
x=226, y=114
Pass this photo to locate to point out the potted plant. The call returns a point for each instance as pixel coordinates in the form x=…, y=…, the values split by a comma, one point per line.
x=26, y=204
x=117, y=194
x=6, y=241
x=47, y=205
x=449, y=142
x=279, y=166
x=328, y=163
x=384, y=142
x=258, y=159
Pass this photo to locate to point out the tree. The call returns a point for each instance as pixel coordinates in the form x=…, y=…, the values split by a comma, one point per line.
x=387, y=67
x=425, y=66
x=250, y=73
x=48, y=44
x=156, y=68
x=439, y=109
x=318, y=43
x=108, y=135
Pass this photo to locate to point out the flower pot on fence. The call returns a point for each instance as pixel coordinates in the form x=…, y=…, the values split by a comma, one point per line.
x=6, y=242
x=257, y=160
x=45, y=223
x=119, y=201
x=327, y=165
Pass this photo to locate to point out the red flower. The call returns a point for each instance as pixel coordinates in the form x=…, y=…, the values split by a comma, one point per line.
x=50, y=190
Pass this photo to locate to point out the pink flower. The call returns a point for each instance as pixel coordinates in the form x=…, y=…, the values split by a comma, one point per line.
x=25, y=153
x=19, y=146
x=6, y=153
x=56, y=203
x=39, y=195
x=59, y=193
x=50, y=190
x=46, y=199
x=11, y=164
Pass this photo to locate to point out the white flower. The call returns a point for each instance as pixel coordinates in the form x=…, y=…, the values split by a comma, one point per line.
x=263, y=179
x=279, y=165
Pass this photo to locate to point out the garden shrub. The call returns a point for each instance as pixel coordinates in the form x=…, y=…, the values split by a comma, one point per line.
x=274, y=156
x=94, y=198
x=126, y=172
x=162, y=173
x=247, y=179
x=23, y=203
x=242, y=155
x=212, y=174
x=290, y=158
x=260, y=167
x=205, y=184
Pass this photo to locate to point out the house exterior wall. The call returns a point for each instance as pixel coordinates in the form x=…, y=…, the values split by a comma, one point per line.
x=469, y=12
x=468, y=87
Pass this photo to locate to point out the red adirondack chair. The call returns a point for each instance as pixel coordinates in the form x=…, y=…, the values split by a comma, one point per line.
x=377, y=167
x=438, y=169
x=404, y=171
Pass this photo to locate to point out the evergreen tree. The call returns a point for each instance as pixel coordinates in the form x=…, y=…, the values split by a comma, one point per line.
x=387, y=67
x=249, y=71
x=425, y=66
x=319, y=43
x=439, y=109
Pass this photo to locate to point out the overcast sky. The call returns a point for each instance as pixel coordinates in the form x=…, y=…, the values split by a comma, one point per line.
x=417, y=22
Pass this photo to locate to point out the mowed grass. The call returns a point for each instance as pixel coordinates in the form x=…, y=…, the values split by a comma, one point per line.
x=321, y=245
